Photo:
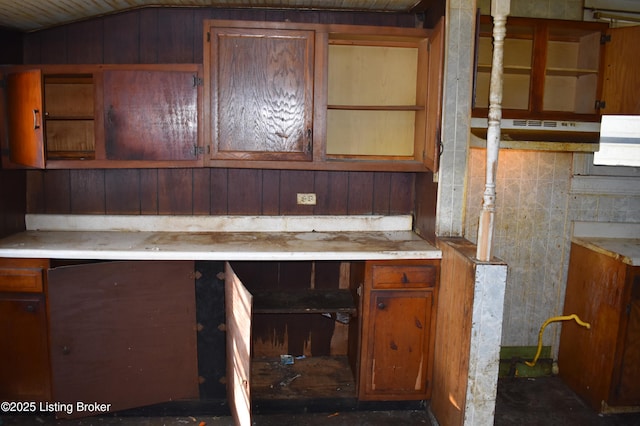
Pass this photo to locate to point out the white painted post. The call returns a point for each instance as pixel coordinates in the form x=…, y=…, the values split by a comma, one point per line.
x=499, y=12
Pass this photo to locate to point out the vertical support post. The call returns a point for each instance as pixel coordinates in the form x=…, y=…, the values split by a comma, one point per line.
x=499, y=12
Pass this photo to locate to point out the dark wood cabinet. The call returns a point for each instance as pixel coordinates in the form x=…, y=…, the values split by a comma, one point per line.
x=104, y=116
x=152, y=115
x=382, y=351
x=261, y=93
x=117, y=333
x=123, y=333
x=311, y=96
x=601, y=364
x=559, y=70
x=397, y=329
x=24, y=357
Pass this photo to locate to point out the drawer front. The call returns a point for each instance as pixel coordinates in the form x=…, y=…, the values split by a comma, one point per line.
x=404, y=276
x=27, y=280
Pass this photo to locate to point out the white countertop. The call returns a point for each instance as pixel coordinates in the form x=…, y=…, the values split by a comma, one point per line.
x=217, y=238
x=618, y=240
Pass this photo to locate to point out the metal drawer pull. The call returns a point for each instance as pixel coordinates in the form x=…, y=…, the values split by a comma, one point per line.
x=36, y=122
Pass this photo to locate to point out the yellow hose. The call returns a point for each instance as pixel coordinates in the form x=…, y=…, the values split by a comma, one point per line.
x=550, y=320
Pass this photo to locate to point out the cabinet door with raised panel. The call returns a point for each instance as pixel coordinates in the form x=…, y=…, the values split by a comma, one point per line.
x=397, y=351
x=397, y=331
x=261, y=93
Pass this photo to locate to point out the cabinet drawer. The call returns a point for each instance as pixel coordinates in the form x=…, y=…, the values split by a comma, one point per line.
x=21, y=280
x=22, y=275
x=404, y=276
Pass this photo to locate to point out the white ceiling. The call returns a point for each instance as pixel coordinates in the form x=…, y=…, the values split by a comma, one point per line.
x=32, y=15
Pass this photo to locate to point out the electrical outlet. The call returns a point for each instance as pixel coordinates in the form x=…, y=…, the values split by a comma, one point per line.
x=308, y=199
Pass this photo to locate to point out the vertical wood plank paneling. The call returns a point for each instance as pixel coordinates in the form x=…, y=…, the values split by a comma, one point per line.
x=153, y=35
x=425, y=205
x=401, y=194
x=35, y=192
x=57, y=192
x=360, y=193
x=87, y=47
x=293, y=182
x=244, y=193
x=149, y=191
x=121, y=38
x=219, y=190
x=201, y=191
x=332, y=190
x=174, y=191
x=176, y=35
x=381, y=193
x=53, y=46
x=31, y=48
x=271, y=192
x=87, y=187
x=13, y=185
x=149, y=41
x=122, y=191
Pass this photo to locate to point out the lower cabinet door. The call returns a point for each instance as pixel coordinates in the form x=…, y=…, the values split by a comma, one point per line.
x=122, y=335
x=24, y=357
x=239, y=309
x=396, y=341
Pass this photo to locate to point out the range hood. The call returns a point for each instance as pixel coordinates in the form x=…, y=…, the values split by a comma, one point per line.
x=540, y=135
x=619, y=141
x=541, y=130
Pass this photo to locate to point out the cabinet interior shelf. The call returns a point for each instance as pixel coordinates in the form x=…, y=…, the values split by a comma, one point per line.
x=507, y=69
x=306, y=301
x=570, y=72
x=68, y=118
x=377, y=107
x=71, y=155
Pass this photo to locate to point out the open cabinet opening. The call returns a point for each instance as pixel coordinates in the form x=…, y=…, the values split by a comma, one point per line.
x=303, y=329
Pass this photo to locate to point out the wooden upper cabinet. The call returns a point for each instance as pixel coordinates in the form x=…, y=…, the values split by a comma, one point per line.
x=323, y=97
x=261, y=93
x=107, y=116
x=552, y=69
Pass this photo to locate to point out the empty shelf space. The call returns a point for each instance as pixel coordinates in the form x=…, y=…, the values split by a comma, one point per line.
x=303, y=301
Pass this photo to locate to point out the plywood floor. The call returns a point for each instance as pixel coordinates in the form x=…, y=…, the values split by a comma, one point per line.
x=308, y=378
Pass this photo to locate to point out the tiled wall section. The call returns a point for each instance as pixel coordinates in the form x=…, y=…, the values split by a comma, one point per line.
x=530, y=233
x=534, y=210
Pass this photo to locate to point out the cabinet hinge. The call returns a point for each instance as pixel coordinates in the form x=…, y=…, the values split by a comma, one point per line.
x=605, y=38
x=208, y=37
x=600, y=104
x=628, y=309
x=200, y=150
x=197, y=81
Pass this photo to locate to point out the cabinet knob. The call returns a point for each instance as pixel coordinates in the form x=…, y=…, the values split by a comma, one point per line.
x=30, y=308
x=66, y=350
x=381, y=305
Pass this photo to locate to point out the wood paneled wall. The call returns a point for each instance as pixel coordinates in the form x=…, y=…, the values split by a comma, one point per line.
x=12, y=201
x=174, y=35
x=12, y=182
x=217, y=192
x=165, y=34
